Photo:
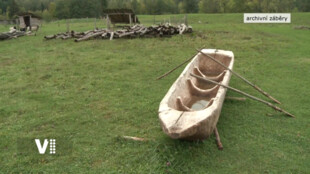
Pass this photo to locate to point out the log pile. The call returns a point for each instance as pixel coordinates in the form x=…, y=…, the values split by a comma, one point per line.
x=136, y=31
x=13, y=34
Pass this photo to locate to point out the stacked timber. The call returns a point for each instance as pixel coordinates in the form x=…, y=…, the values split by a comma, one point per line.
x=13, y=34
x=136, y=31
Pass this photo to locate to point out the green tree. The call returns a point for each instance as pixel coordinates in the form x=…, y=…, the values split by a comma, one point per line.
x=52, y=9
x=181, y=7
x=47, y=16
x=62, y=9
x=84, y=8
x=191, y=6
x=42, y=7
x=13, y=8
x=209, y=6
x=3, y=5
x=7, y=14
x=255, y=5
x=239, y=6
x=135, y=6
x=103, y=5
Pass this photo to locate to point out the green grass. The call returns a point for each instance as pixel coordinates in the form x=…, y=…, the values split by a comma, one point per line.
x=97, y=91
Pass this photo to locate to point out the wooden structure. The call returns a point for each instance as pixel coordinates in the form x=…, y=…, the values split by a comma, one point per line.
x=121, y=16
x=191, y=108
x=27, y=19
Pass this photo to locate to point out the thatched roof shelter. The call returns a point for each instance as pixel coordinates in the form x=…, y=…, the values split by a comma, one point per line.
x=27, y=19
x=29, y=14
x=124, y=16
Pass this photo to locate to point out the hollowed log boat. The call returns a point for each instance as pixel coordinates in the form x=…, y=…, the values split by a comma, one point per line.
x=191, y=108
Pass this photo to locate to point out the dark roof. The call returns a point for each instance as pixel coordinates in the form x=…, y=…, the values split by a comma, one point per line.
x=121, y=15
x=29, y=14
x=121, y=10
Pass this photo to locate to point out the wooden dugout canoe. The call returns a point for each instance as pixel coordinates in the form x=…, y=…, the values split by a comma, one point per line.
x=191, y=108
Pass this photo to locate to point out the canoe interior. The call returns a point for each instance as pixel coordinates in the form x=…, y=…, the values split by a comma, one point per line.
x=192, y=94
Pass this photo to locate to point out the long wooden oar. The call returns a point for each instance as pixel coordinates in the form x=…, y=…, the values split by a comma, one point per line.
x=245, y=94
x=186, y=61
x=244, y=79
x=218, y=139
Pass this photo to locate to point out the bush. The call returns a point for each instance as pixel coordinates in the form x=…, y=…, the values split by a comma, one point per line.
x=2, y=17
x=47, y=16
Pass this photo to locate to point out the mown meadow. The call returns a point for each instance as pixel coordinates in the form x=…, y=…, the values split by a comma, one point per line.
x=95, y=92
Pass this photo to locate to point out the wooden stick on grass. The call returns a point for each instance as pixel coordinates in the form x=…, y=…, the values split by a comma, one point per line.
x=218, y=140
x=236, y=98
x=134, y=138
x=244, y=79
x=245, y=94
x=169, y=72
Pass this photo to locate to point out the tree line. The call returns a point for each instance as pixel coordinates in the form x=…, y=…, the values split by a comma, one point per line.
x=51, y=9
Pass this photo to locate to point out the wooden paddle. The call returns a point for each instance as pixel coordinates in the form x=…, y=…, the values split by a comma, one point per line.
x=245, y=94
x=186, y=61
x=244, y=79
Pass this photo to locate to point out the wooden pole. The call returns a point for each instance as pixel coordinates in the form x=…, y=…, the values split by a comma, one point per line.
x=167, y=73
x=95, y=25
x=185, y=20
x=68, y=28
x=235, y=98
x=244, y=79
x=108, y=22
x=130, y=20
x=245, y=94
x=218, y=140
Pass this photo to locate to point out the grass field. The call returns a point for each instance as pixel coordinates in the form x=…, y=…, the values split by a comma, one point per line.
x=97, y=91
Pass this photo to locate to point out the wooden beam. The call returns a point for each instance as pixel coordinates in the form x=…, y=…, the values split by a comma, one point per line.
x=118, y=13
x=245, y=94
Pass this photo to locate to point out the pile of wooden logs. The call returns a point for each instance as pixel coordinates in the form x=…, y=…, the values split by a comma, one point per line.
x=13, y=34
x=136, y=31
